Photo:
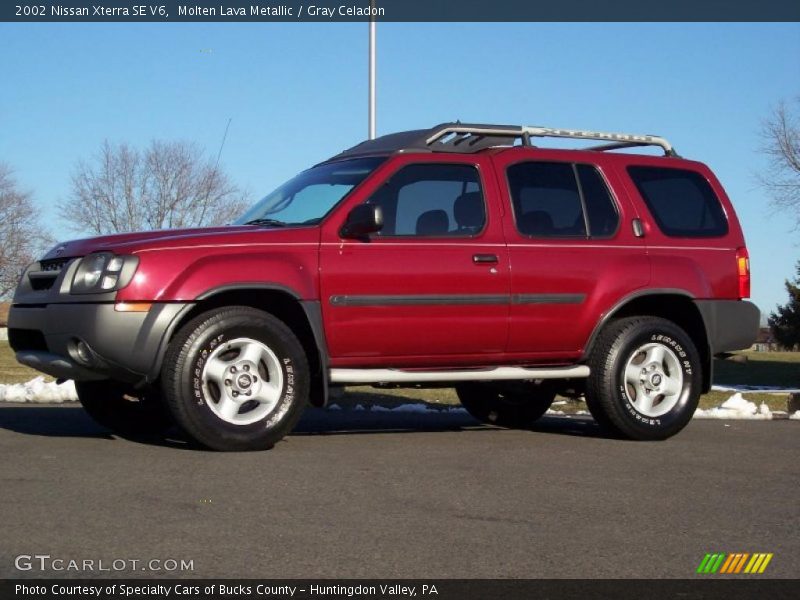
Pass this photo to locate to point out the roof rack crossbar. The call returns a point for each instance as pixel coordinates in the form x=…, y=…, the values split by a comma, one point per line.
x=467, y=131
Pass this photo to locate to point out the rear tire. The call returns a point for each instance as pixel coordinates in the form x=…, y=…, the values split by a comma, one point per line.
x=516, y=405
x=123, y=409
x=646, y=378
x=236, y=379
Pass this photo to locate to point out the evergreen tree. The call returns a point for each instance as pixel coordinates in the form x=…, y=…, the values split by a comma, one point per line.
x=785, y=322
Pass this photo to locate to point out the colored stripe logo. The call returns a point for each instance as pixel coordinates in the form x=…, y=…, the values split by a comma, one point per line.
x=734, y=564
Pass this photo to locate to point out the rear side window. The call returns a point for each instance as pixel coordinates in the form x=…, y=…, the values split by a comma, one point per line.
x=682, y=202
x=600, y=208
x=553, y=199
x=546, y=199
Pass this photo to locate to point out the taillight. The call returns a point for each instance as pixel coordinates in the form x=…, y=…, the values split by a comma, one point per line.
x=743, y=272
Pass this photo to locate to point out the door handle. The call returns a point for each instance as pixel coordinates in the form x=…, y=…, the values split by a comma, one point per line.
x=484, y=259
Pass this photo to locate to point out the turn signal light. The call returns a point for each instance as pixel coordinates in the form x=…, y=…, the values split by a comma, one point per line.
x=133, y=306
x=743, y=272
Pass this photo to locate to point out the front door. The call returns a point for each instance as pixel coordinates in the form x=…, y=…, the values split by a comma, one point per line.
x=432, y=286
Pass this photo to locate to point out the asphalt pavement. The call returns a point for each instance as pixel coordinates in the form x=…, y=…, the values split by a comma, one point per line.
x=361, y=494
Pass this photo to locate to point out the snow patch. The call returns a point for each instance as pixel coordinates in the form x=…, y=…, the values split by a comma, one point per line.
x=38, y=391
x=795, y=416
x=735, y=407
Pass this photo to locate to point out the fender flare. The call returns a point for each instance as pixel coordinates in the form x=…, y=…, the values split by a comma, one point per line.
x=311, y=309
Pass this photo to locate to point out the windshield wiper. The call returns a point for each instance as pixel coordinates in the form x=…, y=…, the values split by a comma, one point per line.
x=264, y=221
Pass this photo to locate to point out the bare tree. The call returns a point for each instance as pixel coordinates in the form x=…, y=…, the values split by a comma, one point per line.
x=166, y=185
x=21, y=235
x=781, y=133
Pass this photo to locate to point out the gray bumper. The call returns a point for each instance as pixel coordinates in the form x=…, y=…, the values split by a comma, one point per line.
x=127, y=346
x=730, y=324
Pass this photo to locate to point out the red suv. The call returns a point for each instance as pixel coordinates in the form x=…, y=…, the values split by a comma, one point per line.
x=461, y=254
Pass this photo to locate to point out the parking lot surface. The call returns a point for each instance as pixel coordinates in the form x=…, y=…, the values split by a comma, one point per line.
x=399, y=495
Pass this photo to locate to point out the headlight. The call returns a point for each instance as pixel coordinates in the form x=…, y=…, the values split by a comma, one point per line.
x=103, y=272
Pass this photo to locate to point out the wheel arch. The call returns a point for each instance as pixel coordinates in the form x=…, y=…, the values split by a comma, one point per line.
x=674, y=305
x=303, y=317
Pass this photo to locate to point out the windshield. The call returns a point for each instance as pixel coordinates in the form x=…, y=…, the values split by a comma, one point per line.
x=307, y=198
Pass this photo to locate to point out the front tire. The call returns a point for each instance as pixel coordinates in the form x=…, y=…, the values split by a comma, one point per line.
x=516, y=405
x=123, y=409
x=236, y=379
x=646, y=378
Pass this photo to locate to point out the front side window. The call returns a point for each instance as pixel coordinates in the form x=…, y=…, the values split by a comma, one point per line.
x=432, y=200
x=682, y=202
x=307, y=198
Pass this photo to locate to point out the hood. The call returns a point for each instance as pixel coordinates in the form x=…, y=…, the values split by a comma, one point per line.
x=129, y=242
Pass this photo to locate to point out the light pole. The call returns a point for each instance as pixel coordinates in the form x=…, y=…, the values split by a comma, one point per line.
x=372, y=71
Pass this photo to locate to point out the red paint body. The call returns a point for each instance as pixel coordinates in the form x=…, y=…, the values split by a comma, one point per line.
x=315, y=263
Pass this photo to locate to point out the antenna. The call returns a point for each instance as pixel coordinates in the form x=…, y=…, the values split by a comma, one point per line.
x=222, y=144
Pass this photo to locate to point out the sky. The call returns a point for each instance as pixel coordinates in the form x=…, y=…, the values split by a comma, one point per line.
x=296, y=93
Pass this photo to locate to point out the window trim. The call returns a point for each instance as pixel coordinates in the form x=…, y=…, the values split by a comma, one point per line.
x=586, y=224
x=475, y=166
x=657, y=220
x=611, y=195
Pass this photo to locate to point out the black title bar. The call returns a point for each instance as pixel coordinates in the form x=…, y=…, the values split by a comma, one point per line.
x=334, y=11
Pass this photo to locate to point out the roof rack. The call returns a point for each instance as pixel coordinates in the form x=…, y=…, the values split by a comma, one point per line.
x=457, y=134
x=469, y=138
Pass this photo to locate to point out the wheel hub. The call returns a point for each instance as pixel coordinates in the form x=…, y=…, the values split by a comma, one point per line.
x=243, y=383
x=245, y=388
x=654, y=379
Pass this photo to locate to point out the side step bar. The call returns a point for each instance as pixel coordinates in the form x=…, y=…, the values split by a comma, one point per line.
x=497, y=373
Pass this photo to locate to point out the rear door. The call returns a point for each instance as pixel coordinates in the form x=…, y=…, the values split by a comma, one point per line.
x=433, y=286
x=572, y=250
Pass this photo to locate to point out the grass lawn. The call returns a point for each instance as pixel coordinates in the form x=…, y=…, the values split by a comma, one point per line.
x=760, y=368
x=10, y=370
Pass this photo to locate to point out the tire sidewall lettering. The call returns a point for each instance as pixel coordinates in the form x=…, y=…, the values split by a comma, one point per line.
x=677, y=412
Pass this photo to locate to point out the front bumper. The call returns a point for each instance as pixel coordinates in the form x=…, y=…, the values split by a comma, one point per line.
x=127, y=346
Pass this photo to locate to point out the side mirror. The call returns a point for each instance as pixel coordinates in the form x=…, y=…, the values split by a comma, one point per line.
x=363, y=220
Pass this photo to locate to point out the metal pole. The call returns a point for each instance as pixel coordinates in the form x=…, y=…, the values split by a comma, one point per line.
x=372, y=73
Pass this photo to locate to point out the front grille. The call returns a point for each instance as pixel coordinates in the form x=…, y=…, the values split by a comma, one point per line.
x=46, y=276
x=53, y=264
x=26, y=339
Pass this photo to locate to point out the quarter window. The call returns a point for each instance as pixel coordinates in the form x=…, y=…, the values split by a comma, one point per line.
x=432, y=200
x=600, y=208
x=682, y=202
